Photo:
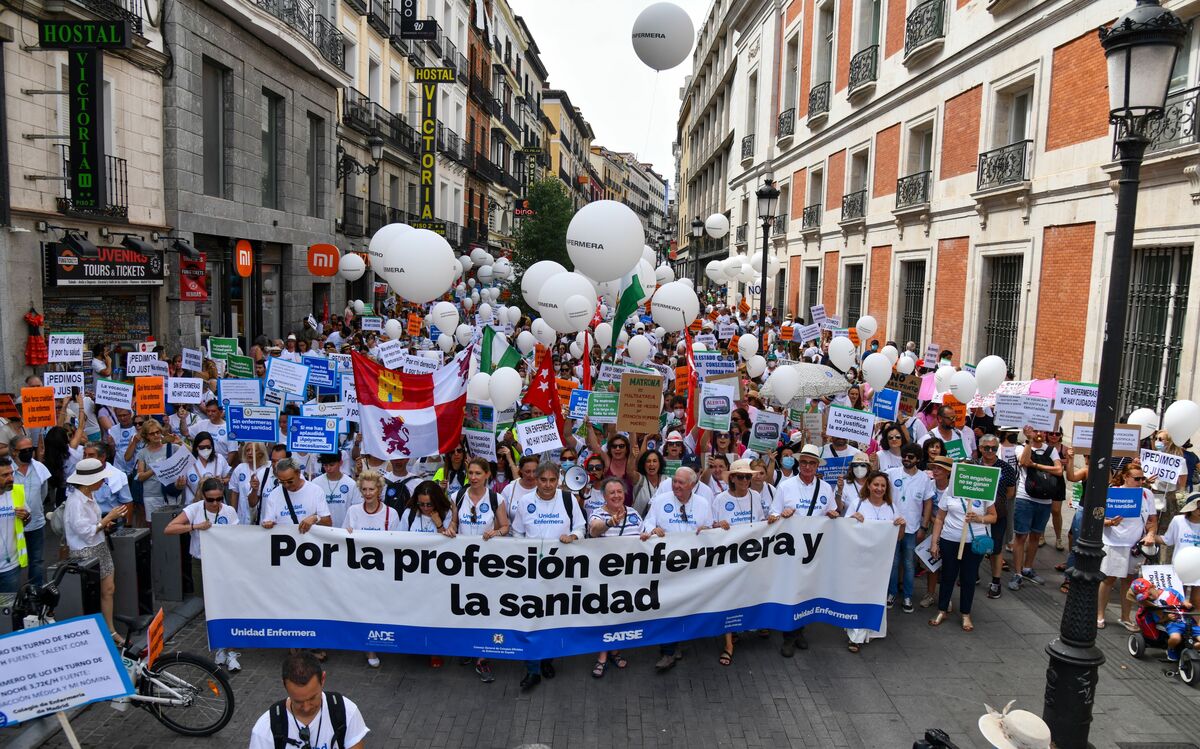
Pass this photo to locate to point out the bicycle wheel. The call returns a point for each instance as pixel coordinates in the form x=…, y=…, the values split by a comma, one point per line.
x=208, y=697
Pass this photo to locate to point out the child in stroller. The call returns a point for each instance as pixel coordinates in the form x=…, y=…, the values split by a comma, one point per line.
x=1165, y=621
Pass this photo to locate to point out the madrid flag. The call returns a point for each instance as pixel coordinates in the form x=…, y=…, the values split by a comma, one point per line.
x=410, y=415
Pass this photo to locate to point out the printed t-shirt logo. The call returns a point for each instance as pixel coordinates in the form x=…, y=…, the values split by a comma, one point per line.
x=729, y=506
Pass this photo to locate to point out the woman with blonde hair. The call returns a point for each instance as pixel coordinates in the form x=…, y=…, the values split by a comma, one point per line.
x=371, y=515
x=253, y=458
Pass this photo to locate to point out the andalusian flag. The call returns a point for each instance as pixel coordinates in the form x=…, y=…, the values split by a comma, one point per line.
x=631, y=296
x=510, y=358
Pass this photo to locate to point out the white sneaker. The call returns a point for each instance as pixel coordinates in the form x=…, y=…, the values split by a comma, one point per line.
x=219, y=656
x=373, y=662
x=231, y=662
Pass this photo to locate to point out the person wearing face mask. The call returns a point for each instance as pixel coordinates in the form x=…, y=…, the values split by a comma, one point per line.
x=1166, y=493
x=853, y=486
x=35, y=477
x=912, y=495
x=206, y=462
x=786, y=463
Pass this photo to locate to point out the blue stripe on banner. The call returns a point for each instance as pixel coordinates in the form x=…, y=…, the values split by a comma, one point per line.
x=547, y=643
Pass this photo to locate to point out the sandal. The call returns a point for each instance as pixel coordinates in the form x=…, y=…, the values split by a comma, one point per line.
x=598, y=669
x=967, y=626
x=118, y=640
x=937, y=620
x=1061, y=567
x=725, y=658
x=852, y=647
x=1100, y=624
x=618, y=659
x=1065, y=587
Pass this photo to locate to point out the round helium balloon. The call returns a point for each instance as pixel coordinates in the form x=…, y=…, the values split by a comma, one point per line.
x=382, y=239
x=1187, y=564
x=514, y=315
x=755, y=366
x=543, y=332
x=715, y=272
x=649, y=255
x=445, y=316
x=479, y=255
x=747, y=346
x=638, y=349
x=605, y=240
x=963, y=386
x=841, y=353
x=989, y=373
x=463, y=334
x=906, y=365
x=891, y=352
x=662, y=35
x=484, y=274
x=785, y=383
x=604, y=333
x=552, y=301
x=464, y=262
x=717, y=225
x=424, y=266
x=578, y=310
x=501, y=268
x=733, y=266
x=877, y=370
x=1181, y=420
x=393, y=329
x=477, y=387
x=941, y=378
x=351, y=267
x=445, y=343
x=504, y=387
x=1146, y=419
x=663, y=274
x=674, y=306
x=535, y=276
x=358, y=306
x=526, y=342
x=866, y=327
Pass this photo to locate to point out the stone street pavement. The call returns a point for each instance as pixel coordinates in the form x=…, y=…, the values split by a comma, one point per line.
x=917, y=677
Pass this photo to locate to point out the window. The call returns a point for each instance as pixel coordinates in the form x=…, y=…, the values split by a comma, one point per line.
x=215, y=108
x=780, y=302
x=393, y=191
x=1012, y=120
x=272, y=142
x=816, y=186
x=792, y=74
x=920, y=148
x=1002, y=314
x=823, y=64
x=351, y=61
x=912, y=308
x=1158, y=301
x=315, y=163
x=395, y=97
x=869, y=13
x=752, y=106
x=1179, y=74
x=853, y=292
x=374, y=81
x=860, y=172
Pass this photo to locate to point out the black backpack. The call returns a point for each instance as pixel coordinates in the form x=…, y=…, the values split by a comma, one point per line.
x=337, y=718
x=396, y=494
x=1039, y=484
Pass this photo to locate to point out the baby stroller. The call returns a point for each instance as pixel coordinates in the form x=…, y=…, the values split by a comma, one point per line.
x=1153, y=634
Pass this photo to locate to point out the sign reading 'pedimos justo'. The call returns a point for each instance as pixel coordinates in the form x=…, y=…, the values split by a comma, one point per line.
x=85, y=42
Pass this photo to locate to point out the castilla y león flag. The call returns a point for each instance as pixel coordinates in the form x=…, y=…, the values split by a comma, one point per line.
x=411, y=415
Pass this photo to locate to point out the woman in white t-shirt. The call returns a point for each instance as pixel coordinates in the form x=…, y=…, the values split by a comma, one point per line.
x=477, y=509
x=1121, y=534
x=206, y=462
x=853, y=486
x=891, y=439
x=427, y=511
x=1184, y=531
x=613, y=518
x=875, y=506
x=739, y=504
x=253, y=459
x=371, y=515
x=958, y=523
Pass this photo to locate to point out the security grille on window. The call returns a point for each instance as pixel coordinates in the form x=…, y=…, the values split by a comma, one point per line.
x=812, y=287
x=912, y=312
x=1003, y=311
x=1158, y=299
x=854, y=293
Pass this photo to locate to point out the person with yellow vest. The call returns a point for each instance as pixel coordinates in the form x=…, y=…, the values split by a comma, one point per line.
x=13, y=515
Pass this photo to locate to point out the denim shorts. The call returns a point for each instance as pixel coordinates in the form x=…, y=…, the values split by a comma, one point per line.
x=1030, y=517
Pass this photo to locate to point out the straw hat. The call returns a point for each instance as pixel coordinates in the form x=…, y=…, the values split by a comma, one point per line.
x=89, y=471
x=941, y=461
x=1019, y=729
x=741, y=467
x=811, y=451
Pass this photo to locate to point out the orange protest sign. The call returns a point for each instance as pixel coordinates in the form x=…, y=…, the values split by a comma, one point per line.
x=149, y=396
x=154, y=639
x=733, y=343
x=854, y=337
x=695, y=326
x=414, y=324
x=8, y=407
x=960, y=410
x=744, y=306
x=786, y=333
x=564, y=389
x=681, y=380
x=37, y=407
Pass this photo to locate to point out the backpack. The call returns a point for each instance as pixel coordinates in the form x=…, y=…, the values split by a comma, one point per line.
x=396, y=494
x=1039, y=484
x=170, y=491
x=337, y=718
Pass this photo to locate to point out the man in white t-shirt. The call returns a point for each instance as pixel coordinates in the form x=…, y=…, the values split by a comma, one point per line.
x=308, y=506
x=1031, y=513
x=945, y=431
x=10, y=570
x=912, y=498
x=310, y=716
x=340, y=492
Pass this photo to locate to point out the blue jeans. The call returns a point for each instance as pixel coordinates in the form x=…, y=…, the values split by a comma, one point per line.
x=33, y=542
x=904, y=554
x=1076, y=528
x=10, y=581
x=535, y=667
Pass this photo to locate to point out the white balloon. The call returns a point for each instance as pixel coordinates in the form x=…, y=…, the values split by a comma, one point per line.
x=747, y=346
x=605, y=240
x=358, y=306
x=639, y=349
x=445, y=316
x=479, y=255
x=660, y=332
x=989, y=373
x=963, y=386
x=578, y=310
x=526, y=342
x=382, y=239
x=393, y=329
x=841, y=353
x=698, y=347
x=552, y=302
x=1146, y=419
x=504, y=387
x=351, y=267
x=662, y=36
x=576, y=350
x=514, y=315
x=489, y=258
x=463, y=334
x=543, y=332
x=535, y=276
x=484, y=274
x=717, y=225
x=604, y=333
x=445, y=343
x=906, y=365
x=690, y=283
x=465, y=263
x=501, y=268
x=674, y=306
x=1187, y=563
x=733, y=266
x=424, y=263
x=478, y=387
x=471, y=282
x=877, y=370
x=485, y=312
x=468, y=303
x=756, y=262
x=755, y=366
x=663, y=274
x=747, y=274
x=648, y=278
x=785, y=382
x=866, y=327
x=1181, y=420
x=649, y=255
x=715, y=271
x=941, y=378
x=891, y=352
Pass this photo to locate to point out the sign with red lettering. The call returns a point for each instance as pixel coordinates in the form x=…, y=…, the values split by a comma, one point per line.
x=110, y=266
x=193, y=279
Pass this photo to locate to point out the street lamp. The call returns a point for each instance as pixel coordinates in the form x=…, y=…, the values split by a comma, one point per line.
x=697, y=233
x=767, y=195
x=1140, y=48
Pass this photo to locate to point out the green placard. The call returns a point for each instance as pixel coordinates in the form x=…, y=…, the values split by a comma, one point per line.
x=368, y=309
x=975, y=482
x=671, y=466
x=222, y=348
x=239, y=366
x=602, y=408
x=955, y=450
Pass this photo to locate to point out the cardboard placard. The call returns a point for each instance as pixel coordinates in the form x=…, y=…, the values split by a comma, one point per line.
x=63, y=383
x=960, y=410
x=253, y=423
x=391, y=354
x=312, y=434
x=192, y=359
x=577, y=404
x=239, y=392
x=716, y=406
x=287, y=376
x=975, y=482
x=414, y=325
x=8, y=407
x=1123, y=502
x=807, y=333
x=817, y=314
x=185, y=390
x=565, y=387
x=37, y=407
x=850, y=423
x=1126, y=439
x=733, y=380
x=602, y=407
x=1163, y=466
x=150, y=396
x=955, y=450
x=239, y=366
x=537, y=436
x=885, y=404
x=138, y=363
x=220, y=348
x=115, y=394
x=1076, y=396
x=639, y=404
x=372, y=324
x=765, y=431
x=909, y=387
x=65, y=347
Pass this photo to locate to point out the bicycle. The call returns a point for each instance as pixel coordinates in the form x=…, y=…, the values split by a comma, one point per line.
x=187, y=693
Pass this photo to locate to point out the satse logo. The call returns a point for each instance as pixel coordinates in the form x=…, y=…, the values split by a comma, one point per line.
x=323, y=260
x=623, y=636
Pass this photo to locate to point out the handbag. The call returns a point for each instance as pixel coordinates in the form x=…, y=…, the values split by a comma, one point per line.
x=981, y=545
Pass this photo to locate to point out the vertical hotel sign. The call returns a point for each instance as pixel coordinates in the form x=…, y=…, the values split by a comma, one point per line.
x=85, y=42
x=429, y=78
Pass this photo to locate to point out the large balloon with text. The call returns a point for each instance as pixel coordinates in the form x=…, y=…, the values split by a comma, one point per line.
x=605, y=240
x=384, y=237
x=419, y=265
x=662, y=35
x=536, y=275
x=674, y=306
x=567, y=302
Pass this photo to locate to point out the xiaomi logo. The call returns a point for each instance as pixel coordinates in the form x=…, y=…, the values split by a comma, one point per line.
x=243, y=258
x=323, y=260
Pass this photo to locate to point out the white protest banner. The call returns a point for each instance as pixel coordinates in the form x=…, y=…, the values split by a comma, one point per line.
x=115, y=394
x=374, y=324
x=392, y=353
x=1076, y=396
x=1010, y=411
x=480, y=443
x=712, y=363
x=158, y=368
x=806, y=333
x=312, y=434
x=840, y=332
x=138, y=363
x=239, y=392
x=716, y=406
x=708, y=339
x=221, y=366
x=932, y=351
x=765, y=431
x=832, y=321
x=326, y=410
x=192, y=359
x=59, y=667
x=185, y=390
x=418, y=365
x=725, y=332
x=63, y=382
x=169, y=469
x=852, y=424
x=1126, y=439
x=287, y=376
x=1037, y=413
x=349, y=400
x=1163, y=466
x=343, y=362
x=65, y=347
x=537, y=436
x=1163, y=576
x=498, y=599
x=817, y=311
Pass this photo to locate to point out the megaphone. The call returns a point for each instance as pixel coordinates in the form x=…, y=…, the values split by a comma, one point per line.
x=576, y=478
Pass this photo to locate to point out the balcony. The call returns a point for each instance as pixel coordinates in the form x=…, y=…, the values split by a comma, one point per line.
x=360, y=6
x=864, y=70
x=116, y=179
x=787, y=124
x=1176, y=128
x=436, y=39
x=302, y=18
x=463, y=68
x=377, y=215
x=818, y=103
x=511, y=124
x=356, y=111
x=489, y=172
x=400, y=216
x=924, y=30
x=479, y=89
x=510, y=182
x=453, y=233
x=353, y=221
x=450, y=56
x=913, y=190
x=748, y=147
x=854, y=207
x=117, y=10
x=780, y=225
x=810, y=220
x=739, y=234
x=379, y=17
x=1004, y=166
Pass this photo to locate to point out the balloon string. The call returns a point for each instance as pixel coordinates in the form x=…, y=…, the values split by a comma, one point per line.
x=650, y=119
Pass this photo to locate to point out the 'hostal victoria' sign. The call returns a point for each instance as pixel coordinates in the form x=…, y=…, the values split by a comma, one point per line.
x=110, y=266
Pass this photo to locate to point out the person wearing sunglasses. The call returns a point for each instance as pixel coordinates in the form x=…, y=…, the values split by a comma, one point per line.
x=294, y=501
x=207, y=511
x=153, y=446
x=1006, y=489
x=453, y=473
x=738, y=504
x=516, y=492
x=615, y=455
x=427, y=511
x=612, y=518
x=1055, y=440
x=891, y=439
x=591, y=496
x=1121, y=534
x=310, y=717
x=1038, y=465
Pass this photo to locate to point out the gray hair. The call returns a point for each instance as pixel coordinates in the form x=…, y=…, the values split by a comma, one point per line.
x=989, y=439
x=547, y=467
x=287, y=464
x=688, y=474
x=611, y=480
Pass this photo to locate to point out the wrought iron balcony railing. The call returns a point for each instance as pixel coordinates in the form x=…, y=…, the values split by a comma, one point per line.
x=925, y=24
x=787, y=123
x=376, y=217
x=379, y=17
x=780, y=225
x=818, y=101
x=854, y=205
x=356, y=111
x=116, y=179
x=864, y=67
x=463, y=68
x=117, y=10
x=353, y=220
x=913, y=189
x=811, y=218
x=301, y=17
x=1006, y=165
x=358, y=5
x=739, y=234
x=1178, y=126
x=748, y=147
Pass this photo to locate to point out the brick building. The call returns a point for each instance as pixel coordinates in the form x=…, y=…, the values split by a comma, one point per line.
x=947, y=166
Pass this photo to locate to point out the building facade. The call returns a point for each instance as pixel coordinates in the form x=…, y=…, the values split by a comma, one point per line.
x=570, y=145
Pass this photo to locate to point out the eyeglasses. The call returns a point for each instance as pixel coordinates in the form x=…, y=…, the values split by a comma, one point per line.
x=217, y=498
x=808, y=462
x=424, y=504
x=618, y=447
x=593, y=469
x=987, y=448
x=457, y=450
x=1137, y=478
x=895, y=437
x=304, y=737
